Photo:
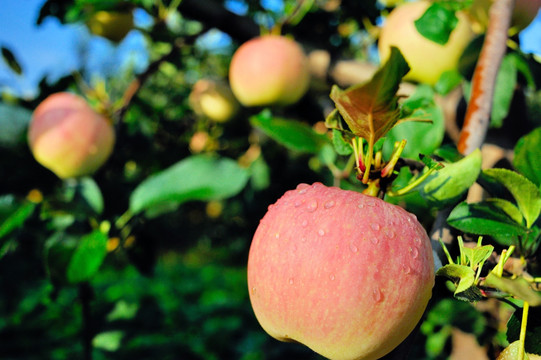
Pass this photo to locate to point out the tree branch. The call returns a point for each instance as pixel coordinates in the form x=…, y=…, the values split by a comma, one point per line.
x=484, y=78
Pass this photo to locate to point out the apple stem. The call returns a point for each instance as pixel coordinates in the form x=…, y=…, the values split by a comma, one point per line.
x=368, y=159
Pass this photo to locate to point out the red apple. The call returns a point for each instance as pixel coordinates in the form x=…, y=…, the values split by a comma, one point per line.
x=68, y=137
x=269, y=70
x=346, y=274
x=426, y=58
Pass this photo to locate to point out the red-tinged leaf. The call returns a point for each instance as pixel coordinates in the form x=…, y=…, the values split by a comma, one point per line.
x=371, y=109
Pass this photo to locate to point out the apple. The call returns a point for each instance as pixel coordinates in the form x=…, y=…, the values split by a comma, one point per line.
x=344, y=273
x=112, y=25
x=68, y=137
x=214, y=100
x=427, y=59
x=269, y=70
x=511, y=353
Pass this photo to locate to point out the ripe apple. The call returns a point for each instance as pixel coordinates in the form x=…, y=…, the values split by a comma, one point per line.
x=214, y=100
x=427, y=59
x=346, y=274
x=68, y=137
x=112, y=25
x=269, y=70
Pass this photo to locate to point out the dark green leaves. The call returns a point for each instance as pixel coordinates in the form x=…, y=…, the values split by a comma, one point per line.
x=290, y=133
x=11, y=61
x=371, y=110
x=437, y=23
x=198, y=177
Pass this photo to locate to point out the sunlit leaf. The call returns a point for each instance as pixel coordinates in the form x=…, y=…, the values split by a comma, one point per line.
x=447, y=185
x=371, y=109
x=527, y=155
x=526, y=194
x=290, y=133
x=437, y=23
x=464, y=278
x=518, y=287
x=198, y=177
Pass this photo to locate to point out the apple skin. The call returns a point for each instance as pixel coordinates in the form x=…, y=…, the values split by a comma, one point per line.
x=112, y=25
x=511, y=353
x=214, y=100
x=269, y=70
x=427, y=59
x=68, y=137
x=346, y=274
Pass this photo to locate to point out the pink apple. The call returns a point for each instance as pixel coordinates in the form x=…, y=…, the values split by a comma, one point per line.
x=346, y=274
x=269, y=70
x=68, y=137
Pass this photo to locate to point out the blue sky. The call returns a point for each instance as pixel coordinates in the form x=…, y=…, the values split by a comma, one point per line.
x=54, y=50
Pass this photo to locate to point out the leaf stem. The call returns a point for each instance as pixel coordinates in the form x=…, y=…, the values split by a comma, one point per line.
x=523, y=325
x=411, y=185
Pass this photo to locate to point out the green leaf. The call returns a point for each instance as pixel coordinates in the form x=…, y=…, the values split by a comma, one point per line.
x=504, y=90
x=527, y=155
x=526, y=194
x=88, y=257
x=290, y=133
x=198, y=177
x=421, y=137
x=448, y=81
x=91, y=192
x=260, y=174
x=518, y=287
x=437, y=23
x=371, y=109
x=483, y=219
x=11, y=61
x=14, y=121
x=109, y=340
x=340, y=145
x=447, y=185
x=17, y=218
x=533, y=330
x=507, y=207
x=464, y=277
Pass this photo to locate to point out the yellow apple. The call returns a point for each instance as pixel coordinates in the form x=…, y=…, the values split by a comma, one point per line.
x=112, y=25
x=269, y=70
x=68, y=137
x=427, y=59
x=214, y=100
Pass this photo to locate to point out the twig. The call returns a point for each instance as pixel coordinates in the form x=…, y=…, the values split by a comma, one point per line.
x=138, y=82
x=484, y=78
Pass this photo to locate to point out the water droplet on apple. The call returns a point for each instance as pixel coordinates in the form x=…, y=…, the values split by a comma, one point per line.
x=353, y=248
x=374, y=227
x=329, y=204
x=253, y=290
x=298, y=203
x=370, y=203
x=377, y=295
x=414, y=253
x=321, y=232
x=374, y=240
x=277, y=236
x=360, y=206
x=332, y=277
x=303, y=239
x=304, y=223
x=417, y=241
x=312, y=206
x=406, y=268
x=291, y=281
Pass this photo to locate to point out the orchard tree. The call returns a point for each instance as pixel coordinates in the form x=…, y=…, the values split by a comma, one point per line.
x=348, y=179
